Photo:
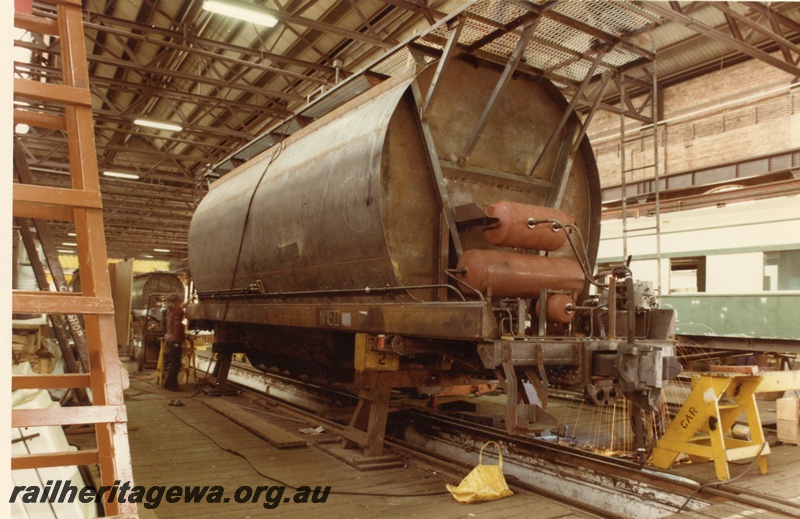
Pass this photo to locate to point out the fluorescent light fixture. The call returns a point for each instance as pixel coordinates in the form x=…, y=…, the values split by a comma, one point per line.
x=147, y=256
x=119, y=174
x=160, y=125
x=241, y=11
x=68, y=244
x=71, y=234
x=66, y=251
x=161, y=250
x=22, y=128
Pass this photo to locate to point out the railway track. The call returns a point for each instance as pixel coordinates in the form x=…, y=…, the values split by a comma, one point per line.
x=593, y=483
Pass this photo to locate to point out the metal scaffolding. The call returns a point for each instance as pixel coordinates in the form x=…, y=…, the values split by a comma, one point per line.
x=67, y=106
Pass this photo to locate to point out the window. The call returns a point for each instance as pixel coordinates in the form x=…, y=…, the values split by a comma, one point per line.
x=782, y=270
x=687, y=274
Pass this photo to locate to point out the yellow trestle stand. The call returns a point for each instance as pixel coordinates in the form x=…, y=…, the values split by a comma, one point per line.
x=702, y=429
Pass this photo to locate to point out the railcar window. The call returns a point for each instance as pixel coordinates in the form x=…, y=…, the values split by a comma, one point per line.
x=782, y=270
x=687, y=274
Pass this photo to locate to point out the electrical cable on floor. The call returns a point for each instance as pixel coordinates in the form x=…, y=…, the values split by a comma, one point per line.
x=292, y=487
x=198, y=389
x=717, y=483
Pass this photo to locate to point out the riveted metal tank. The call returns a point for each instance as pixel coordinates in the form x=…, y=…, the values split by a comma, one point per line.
x=145, y=285
x=349, y=202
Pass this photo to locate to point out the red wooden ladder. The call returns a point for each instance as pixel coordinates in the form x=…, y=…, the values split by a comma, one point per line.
x=81, y=204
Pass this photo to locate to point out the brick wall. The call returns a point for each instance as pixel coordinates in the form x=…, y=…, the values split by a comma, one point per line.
x=727, y=115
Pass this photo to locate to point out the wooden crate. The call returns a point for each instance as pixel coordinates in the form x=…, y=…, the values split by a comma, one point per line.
x=788, y=432
x=788, y=409
x=788, y=415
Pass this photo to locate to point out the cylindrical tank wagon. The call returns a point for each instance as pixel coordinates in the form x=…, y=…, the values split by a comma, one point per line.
x=373, y=245
x=148, y=293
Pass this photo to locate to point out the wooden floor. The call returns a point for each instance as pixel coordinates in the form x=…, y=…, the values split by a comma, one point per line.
x=191, y=444
x=782, y=480
x=606, y=430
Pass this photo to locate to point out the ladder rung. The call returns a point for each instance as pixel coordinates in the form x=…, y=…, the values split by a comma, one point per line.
x=57, y=196
x=642, y=229
x=43, y=212
x=54, y=459
x=61, y=381
x=68, y=415
x=60, y=303
x=50, y=92
x=40, y=120
x=37, y=24
x=729, y=406
x=73, y=3
x=646, y=166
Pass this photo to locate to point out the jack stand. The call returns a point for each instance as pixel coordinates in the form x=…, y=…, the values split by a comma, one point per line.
x=531, y=415
x=702, y=428
x=367, y=427
x=224, y=357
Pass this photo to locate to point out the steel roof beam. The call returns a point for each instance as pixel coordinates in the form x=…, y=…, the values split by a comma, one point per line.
x=213, y=55
x=190, y=40
x=328, y=28
x=200, y=79
x=773, y=33
x=430, y=14
x=551, y=11
x=186, y=97
x=714, y=34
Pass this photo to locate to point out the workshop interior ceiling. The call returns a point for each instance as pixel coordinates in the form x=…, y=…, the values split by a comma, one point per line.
x=235, y=87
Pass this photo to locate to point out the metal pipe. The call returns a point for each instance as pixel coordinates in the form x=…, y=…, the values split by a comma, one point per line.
x=451, y=273
x=612, y=308
x=247, y=292
x=543, y=313
x=557, y=223
x=631, y=307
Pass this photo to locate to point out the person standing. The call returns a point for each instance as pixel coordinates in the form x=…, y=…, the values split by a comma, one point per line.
x=173, y=342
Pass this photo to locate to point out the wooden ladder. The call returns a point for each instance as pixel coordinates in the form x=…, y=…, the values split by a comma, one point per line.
x=81, y=204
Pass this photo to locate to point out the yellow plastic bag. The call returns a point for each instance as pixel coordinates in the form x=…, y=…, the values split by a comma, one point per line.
x=484, y=483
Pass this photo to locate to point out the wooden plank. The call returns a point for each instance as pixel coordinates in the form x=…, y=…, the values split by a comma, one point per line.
x=59, y=303
x=121, y=287
x=62, y=381
x=54, y=459
x=747, y=370
x=37, y=24
x=29, y=89
x=358, y=460
x=779, y=381
x=43, y=212
x=68, y=415
x=57, y=197
x=40, y=120
x=275, y=435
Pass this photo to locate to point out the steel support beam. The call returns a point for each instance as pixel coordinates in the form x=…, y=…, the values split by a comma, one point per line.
x=505, y=77
x=569, y=112
x=701, y=28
